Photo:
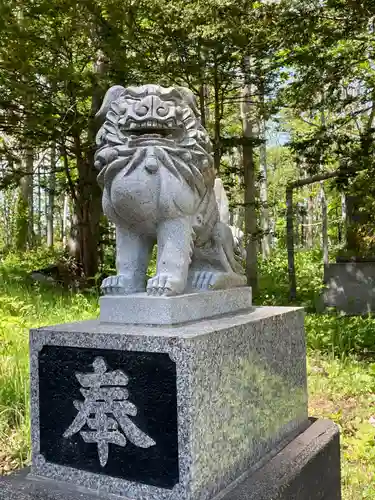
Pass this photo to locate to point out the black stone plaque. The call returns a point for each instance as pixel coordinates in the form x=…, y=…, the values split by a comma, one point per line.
x=151, y=389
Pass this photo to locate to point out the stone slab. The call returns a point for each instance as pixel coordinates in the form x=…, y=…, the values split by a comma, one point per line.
x=240, y=391
x=350, y=287
x=308, y=468
x=143, y=309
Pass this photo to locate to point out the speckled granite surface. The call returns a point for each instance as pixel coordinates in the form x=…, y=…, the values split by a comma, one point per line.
x=241, y=391
x=308, y=468
x=143, y=309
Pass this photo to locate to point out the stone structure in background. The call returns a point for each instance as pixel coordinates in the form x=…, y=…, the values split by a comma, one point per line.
x=350, y=286
x=158, y=176
x=350, y=281
x=195, y=396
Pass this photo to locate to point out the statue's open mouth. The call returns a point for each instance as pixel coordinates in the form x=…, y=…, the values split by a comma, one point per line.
x=150, y=127
x=149, y=131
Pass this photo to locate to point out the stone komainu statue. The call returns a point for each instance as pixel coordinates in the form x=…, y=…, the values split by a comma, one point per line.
x=157, y=175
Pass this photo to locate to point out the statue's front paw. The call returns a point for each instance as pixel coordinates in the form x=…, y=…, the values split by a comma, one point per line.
x=120, y=285
x=165, y=284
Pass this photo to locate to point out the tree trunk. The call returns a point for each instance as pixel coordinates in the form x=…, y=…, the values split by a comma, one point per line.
x=344, y=220
x=250, y=218
x=296, y=229
x=310, y=222
x=87, y=212
x=302, y=236
x=24, y=217
x=290, y=245
x=9, y=199
x=51, y=197
x=39, y=236
x=29, y=171
x=264, y=211
x=248, y=122
x=64, y=225
x=264, y=214
x=202, y=104
x=324, y=225
x=202, y=89
x=217, y=124
x=88, y=201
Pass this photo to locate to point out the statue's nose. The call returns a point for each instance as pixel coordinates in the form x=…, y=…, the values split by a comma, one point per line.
x=151, y=163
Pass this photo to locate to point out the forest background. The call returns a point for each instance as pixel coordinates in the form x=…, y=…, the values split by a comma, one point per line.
x=286, y=90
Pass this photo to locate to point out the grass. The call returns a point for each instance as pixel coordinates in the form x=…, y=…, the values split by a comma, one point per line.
x=344, y=391
x=24, y=305
x=341, y=362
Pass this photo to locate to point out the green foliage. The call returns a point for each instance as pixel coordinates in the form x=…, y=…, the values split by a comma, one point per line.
x=274, y=285
x=16, y=265
x=330, y=98
x=341, y=335
x=343, y=391
x=24, y=305
x=57, y=58
x=328, y=333
x=339, y=389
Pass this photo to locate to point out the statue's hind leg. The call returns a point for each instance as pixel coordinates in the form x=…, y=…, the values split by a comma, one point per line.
x=214, y=265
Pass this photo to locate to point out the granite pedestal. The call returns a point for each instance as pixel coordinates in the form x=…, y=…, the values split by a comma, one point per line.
x=214, y=396
x=183, y=412
x=308, y=468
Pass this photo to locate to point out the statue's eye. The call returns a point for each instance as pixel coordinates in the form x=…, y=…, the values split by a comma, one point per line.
x=142, y=110
x=162, y=111
x=165, y=108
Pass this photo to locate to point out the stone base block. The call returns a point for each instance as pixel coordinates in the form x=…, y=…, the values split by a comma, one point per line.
x=350, y=287
x=308, y=468
x=143, y=309
x=166, y=413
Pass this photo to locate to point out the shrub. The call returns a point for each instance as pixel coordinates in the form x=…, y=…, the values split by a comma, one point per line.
x=274, y=281
x=341, y=335
x=329, y=332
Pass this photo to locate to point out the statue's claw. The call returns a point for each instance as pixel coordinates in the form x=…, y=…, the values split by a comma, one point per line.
x=119, y=285
x=164, y=285
x=214, y=280
x=202, y=280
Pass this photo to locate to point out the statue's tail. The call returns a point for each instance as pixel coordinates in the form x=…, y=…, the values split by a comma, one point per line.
x=237, y=234
x=221, y=200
